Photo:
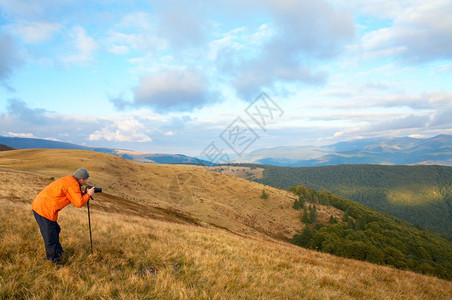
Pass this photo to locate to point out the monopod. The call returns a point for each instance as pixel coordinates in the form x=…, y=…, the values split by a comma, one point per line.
x=89, y=222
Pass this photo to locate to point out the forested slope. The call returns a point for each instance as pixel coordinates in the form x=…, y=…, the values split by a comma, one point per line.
x=366, y=234
x=419, y=194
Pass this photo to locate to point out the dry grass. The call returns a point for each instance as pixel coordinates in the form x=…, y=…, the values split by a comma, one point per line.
x=136, y=258
x=217, y=199
x=145, y=248
x=240, y=171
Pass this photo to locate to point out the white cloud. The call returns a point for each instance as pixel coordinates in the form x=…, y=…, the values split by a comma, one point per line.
x=85, y=46
x=445, y=68
x=134, y=43
x=185, y=25
x=298, y=34
x=118, y=49
x=21, y=135
x=380, y=96
x=122, y=130
x=20, y=110
x=416, y=136
x=406, y=122
x=421, y=32
x=20, y=118
x=338, y=134
x=228, y=40
x=82, y=41
x=173, y=90
x=22, y=8
x=34, y=32
x=9, y=58
x=137, y=20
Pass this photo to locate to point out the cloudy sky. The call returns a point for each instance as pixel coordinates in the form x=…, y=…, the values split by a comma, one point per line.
x=197, y=76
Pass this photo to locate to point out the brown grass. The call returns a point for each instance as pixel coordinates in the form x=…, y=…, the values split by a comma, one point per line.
x=240, y=171
x=217, y=199
x=136, y=258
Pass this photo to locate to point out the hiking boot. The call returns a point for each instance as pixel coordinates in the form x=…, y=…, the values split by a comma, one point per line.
x=57, y=262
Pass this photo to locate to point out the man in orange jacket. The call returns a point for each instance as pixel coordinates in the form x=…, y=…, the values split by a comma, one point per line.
x=51, y=200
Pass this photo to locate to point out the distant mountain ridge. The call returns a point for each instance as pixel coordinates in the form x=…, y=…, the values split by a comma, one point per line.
x=161, y=158
x=385, y=151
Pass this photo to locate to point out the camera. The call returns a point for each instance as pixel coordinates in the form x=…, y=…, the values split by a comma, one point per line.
x=96, y=189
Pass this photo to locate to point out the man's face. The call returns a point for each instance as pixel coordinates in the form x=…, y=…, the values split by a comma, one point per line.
x=82, y=181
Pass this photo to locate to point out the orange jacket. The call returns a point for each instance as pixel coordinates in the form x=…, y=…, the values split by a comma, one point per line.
x=57, y=195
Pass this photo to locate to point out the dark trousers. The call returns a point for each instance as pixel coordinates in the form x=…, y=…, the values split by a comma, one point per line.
x=50, y=231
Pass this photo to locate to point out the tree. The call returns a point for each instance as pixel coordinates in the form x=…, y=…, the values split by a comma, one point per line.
x=305, y=217
x=394, y=257
x=264, y=195
x=333, y=220
x=345, y=217
x=305, y=238
x=350, y=224
x=313, y=215
x=299, y=203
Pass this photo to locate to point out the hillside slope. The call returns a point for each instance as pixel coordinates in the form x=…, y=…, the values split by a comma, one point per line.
x=182, y=194
x=140, y=257
x=198, y=194
x=5, y=148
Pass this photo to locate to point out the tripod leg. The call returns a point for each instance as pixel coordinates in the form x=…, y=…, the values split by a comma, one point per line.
x=89, y=222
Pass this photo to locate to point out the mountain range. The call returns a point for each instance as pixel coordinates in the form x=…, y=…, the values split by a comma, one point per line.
x=385, y=151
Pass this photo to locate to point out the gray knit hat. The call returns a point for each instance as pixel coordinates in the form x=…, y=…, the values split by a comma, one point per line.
x=81, y=173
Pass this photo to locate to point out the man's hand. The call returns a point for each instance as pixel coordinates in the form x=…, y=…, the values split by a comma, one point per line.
x=90, y=191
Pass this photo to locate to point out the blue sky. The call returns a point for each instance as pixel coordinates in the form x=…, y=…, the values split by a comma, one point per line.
x=177, y=76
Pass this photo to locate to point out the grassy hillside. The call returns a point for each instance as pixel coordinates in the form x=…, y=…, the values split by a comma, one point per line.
x=201, y=196
x=175, y=232
x=417, y=194
x=137, y=257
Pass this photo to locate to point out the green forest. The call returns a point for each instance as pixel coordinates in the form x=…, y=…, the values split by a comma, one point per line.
x=369, y=235
x=421, y=195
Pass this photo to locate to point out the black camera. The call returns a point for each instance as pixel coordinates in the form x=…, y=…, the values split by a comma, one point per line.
x=96, y=189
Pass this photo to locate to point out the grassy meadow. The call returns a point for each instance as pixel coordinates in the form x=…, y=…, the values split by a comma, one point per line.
x=149, y=246
x=143, y=258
